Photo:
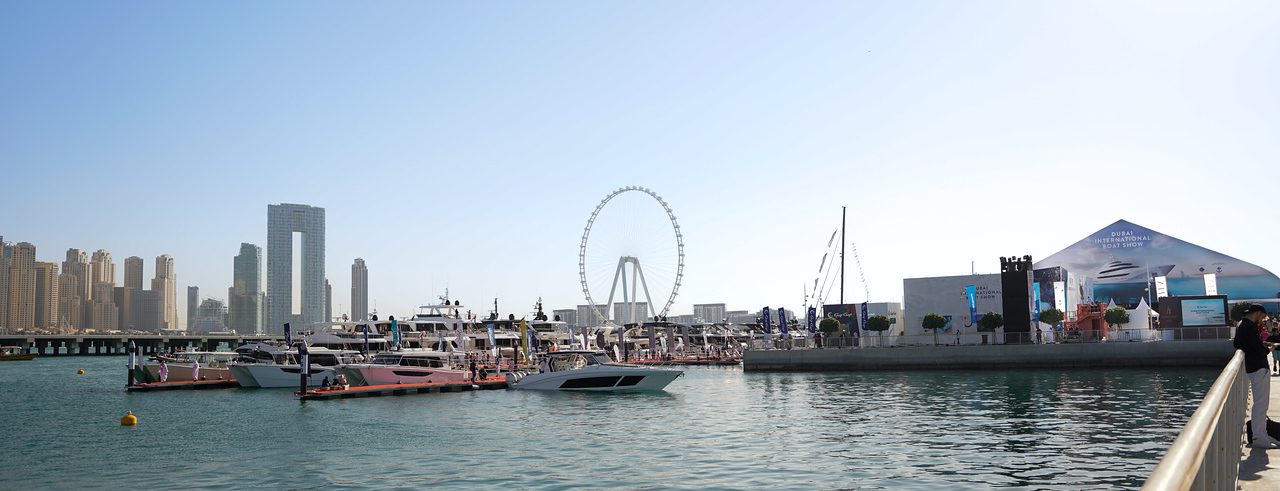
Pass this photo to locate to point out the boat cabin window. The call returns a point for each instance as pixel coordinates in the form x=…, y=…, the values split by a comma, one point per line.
x=572, y=361
x=386, y=359
x=325, y=360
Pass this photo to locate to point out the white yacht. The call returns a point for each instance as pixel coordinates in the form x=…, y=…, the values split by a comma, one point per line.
x=1127, y=272
x=268, y=368
x=184, y=365
x=408, y=366
x=592, y=371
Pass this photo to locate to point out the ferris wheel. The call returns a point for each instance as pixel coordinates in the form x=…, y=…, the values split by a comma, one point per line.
x=629, y=225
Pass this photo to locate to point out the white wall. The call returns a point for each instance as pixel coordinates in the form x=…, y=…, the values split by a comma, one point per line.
x=945, y=296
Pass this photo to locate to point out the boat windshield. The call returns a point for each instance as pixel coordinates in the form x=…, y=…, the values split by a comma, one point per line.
x=572, y=361
x=386, y=359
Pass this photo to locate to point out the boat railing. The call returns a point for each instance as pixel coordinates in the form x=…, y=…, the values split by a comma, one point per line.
x=1206, y=454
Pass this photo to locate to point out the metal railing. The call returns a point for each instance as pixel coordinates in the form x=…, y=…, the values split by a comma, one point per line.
x=969, y=338
x=1206, y=454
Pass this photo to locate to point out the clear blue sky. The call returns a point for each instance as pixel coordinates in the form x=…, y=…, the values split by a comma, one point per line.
x=463, y=144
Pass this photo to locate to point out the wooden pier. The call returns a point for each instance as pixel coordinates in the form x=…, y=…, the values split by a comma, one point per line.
x=184, y=385
x=324, y=394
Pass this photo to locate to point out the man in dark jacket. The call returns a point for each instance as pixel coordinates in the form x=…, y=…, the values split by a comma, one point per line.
x=1249, y=340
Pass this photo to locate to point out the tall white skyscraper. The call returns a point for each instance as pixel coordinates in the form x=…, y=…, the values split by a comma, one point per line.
x=46, y=295
x=283, y=221
x=245, y=297
x=193, y=306
x=6, y=252
x=104, y=269
x=359, y=290
x=165, y=287
x=22, y=287
x=133, y=272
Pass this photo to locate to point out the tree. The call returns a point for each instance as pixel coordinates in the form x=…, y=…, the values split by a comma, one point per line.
x=1238, y=310
x=990, y=322
x=1051, y=317
x=1116, y=316
x=933, y=322
x=878, y=323
x=829, y=326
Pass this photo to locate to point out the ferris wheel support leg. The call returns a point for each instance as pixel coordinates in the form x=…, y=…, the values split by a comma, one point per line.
x=616, y=273
x=639, y=272
x=635, y=292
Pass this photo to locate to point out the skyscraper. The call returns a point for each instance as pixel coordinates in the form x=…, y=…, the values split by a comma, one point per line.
x=133, y=272
x=245, y=296
x=104, y=270
x=46, y=295
x=106, y=316
x=6, y=252
x=22, y=287
x=165, y=287
x=193, y=306
x=283, y=221
x=77, y=264
x=328, y=301
x=70, y=310
x=359, y=291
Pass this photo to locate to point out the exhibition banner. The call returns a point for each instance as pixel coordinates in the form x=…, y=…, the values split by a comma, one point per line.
x=971, y=292
x=1210, y=284
x=1035, y=304
x=812, y=319
x=766, y=320
x=1060, y=296
x=782, y=321
x=864, y=316
x=1162, y=287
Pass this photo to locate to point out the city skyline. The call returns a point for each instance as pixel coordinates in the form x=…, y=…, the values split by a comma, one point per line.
x=975, y=132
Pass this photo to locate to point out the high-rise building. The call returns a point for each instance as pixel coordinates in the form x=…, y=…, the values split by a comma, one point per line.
x=709, y=312
x=211, y=316
x=165, y=284
x=22, y=287
x=245, y=297
x=359, y=291
x=150, y=312
x=568, y=316
x=46, y=295
x=587, y=317
x=106, y=316
x=283, y=221
x=622, y=313
x=126, y=304
x=328, y=301
x=6, y=253
x=77, y=264
x=70, y=308
x=133, y=272
x=193, y=306
x=104, y=269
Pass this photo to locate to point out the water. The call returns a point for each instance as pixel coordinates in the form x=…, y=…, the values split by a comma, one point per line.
x=715, y=428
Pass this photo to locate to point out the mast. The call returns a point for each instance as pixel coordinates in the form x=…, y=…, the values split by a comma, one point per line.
x=842, y=220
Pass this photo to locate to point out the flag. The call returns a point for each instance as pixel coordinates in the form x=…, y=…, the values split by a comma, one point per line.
x=766, y=321
x=460, y=337
x=782, y=321
x=864, y=316
x=1035, y=293
x=395, y=332
x=493, y=341
x=288, y=340
x=524, y=340
x=366, y=338
x=812, y=318
x=440, y=341
x=971, y=292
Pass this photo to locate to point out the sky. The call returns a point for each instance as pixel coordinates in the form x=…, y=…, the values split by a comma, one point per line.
x=464, y=145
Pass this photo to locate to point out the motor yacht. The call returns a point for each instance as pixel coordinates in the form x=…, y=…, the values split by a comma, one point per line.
x=281, y=368
x=183, y=365
x=405, y=367
x=588, y=370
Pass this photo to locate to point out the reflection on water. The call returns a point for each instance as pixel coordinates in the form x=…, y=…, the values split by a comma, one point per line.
x=714, y=428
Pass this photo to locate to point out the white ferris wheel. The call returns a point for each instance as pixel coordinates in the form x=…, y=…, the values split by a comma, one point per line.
x=631, y=245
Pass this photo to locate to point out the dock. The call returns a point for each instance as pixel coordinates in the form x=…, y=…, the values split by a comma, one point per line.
x=1259, y=467
x=401, y=389
x=183, y=385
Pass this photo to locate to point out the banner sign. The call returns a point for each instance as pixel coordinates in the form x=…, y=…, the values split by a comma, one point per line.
x=971, y=292
x=766, y=321
x=1210, y=284
x=1035, y=292
x=812, y=318
x=782, y=321
x=1162, y=287
x=288, y=340
x=864, y=316
x=1060, y=296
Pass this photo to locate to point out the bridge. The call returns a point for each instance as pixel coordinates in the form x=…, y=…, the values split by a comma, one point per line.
x=118, y=344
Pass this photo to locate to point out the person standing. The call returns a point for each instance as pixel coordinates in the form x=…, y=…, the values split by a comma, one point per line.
x=1274, y=338
x=1249, y=340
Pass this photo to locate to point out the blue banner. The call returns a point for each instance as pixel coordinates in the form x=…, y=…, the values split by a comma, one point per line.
x=366, y=338
x=395, y=332
x=766, y=321
x=440, y=341
x=1035, y=309
x=812, y=318
x=782, y=321
x=492, y=340
x=288, y=339
x=971, y=292
x=864, y=316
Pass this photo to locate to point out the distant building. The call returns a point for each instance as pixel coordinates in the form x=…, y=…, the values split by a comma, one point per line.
x=211, y=316
x=193, y=305
x=150, y=311
x=46, y=295
x=245, y=299
x=741, y=316
x=6, y=252
x=133, y=272
x=103, y=269
x=328, y=301
x=709, y=312
x=70, y=308
x=165, y=286
x=686, y=319
x=283, y=221
x=22, y=287
x=587, y=317
x=106, y=316
x=359, y=290
x=127, y=306
x=568, y=316
x=622, y=313
x=77, y=264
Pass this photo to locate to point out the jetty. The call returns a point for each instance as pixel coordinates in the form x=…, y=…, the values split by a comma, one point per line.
x=329, y=393
x=183, y=385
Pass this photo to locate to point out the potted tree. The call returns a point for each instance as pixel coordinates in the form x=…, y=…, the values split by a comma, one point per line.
x=1052, y=317
x=1115, y=316
x=933, y=322
x=879, y=324
x=989, y=323
x=829, y=326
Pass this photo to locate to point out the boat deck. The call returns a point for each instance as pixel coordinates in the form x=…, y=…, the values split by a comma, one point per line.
x=1260, y=468
x=183, y=385
x=401, y=389
x=689, y=362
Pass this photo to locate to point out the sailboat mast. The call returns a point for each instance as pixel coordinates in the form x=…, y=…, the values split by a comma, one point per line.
x=842, y=220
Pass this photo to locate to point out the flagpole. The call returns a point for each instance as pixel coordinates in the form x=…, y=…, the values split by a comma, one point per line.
x=843, y=213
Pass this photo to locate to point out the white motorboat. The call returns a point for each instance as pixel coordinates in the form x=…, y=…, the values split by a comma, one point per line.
x=408, y=366
x=282, y=369
x=592, y=371
x=188, y=365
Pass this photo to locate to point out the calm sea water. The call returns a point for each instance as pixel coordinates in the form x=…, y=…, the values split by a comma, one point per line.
x=715, y=428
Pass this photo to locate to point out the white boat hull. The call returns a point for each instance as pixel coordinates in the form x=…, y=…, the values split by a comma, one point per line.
x=367, y=374
x=183, y=372
x=242, y=375
x=600, y=378
x=276, y=376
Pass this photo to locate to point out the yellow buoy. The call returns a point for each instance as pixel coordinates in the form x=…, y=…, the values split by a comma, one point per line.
x=129, y=419
x=80, y=372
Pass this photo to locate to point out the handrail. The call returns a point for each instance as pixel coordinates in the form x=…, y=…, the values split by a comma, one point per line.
x=1183, y=466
